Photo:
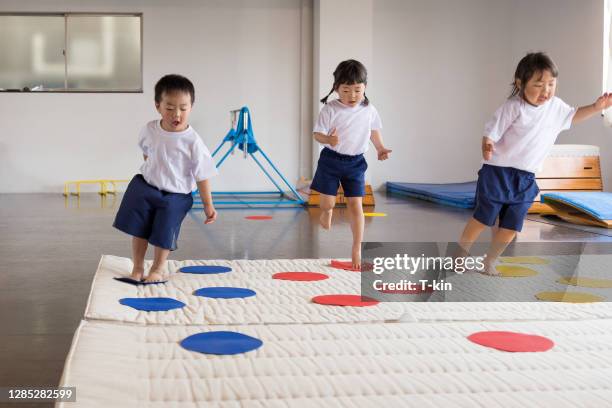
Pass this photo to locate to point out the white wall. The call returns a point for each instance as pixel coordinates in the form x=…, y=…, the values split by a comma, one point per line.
x=235, y=52
x=438, y=69
x=571, y=31
x=442, y=66
x=342, y=30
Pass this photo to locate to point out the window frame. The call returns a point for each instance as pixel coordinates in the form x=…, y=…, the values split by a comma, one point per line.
x=65, y=15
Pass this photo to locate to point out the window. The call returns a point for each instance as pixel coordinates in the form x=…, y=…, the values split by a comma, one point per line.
x=71, y=52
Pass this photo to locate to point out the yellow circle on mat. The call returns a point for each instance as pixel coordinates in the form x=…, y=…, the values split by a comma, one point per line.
x=512, y=271
x=533, y=260
x=587, y=282
x=568, y=297
x=369, y=214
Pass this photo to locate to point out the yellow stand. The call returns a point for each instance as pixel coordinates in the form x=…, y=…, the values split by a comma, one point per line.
x=114, y=184
x=103, y=186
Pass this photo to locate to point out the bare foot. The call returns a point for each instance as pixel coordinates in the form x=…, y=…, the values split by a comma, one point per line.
x=356, y=257
x=490, y=270
x=137, y=273
x=325, y=219
x=155, y=276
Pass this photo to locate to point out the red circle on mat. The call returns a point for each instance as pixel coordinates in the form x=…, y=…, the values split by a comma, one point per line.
x=344, y=300
x=348, y=266
x=511, y=341
x=258, y=217
x=300, y=276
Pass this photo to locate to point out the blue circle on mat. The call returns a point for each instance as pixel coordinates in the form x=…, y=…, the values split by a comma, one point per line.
x=205, y=269
x=221, y=342
x=155, y=304
x=223, y=292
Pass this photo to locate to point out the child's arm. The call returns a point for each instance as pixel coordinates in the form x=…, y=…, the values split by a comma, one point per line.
x=497, y=126
x=206, y=196
x=330, y=139
x=585, y=112
x=376, y=138
x=488, y=147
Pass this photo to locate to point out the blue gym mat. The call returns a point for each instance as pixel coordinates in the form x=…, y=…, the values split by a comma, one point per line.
x=462, y=195
x=596, y=206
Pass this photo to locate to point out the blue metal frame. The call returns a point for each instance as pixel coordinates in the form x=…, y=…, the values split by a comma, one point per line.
x=244, y=139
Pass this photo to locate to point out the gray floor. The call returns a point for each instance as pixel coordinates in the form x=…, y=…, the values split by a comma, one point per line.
x=50, y=247
x=551, y=219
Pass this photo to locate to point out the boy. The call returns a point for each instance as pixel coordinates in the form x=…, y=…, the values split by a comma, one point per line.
x=176, y=160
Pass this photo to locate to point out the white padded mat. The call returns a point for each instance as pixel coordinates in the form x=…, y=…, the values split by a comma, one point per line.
x=350, y=365
x=277, y=301
x=462, y=302
x=290, y=302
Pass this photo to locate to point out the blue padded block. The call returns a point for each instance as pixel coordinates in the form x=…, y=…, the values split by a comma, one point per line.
x=205, y=269
x=221, y=343
x=224, y=292
x=462, y=195
x=597, y=204
x=156, y=304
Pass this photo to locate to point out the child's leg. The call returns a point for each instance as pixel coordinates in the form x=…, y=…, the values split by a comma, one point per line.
x=139, y=250
x=165, y=230
x=327, y=203
x=355, y=208
x=501, y=238
x=156, y=273
x=470, y=234
x=511, y=220
x=326, y=182
x=134, y=217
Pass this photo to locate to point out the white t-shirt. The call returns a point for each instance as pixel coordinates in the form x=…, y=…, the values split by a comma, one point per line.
x=523, y=133
x=353, y=126
x=175, y=160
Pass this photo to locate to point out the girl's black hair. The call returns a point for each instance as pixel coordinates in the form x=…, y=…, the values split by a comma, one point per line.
x=531, y=64
x=171, y=83
x=349, y=72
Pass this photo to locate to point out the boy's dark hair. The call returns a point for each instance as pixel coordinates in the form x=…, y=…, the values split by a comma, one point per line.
x=349, y=72
x=171, y=83
x=531, y=64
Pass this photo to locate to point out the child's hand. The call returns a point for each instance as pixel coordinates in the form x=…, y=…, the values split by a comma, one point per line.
x=211, y=214
x=332, y=137
x=383, y=153
x=488, y=147
x=604, y=101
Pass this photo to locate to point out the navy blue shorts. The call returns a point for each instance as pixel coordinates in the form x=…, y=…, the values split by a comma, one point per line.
x=504, y=192
x=334, y=169
x=152, y=214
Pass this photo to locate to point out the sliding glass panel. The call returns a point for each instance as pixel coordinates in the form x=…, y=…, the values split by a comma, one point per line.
x=104, y=53
x=31, y=52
